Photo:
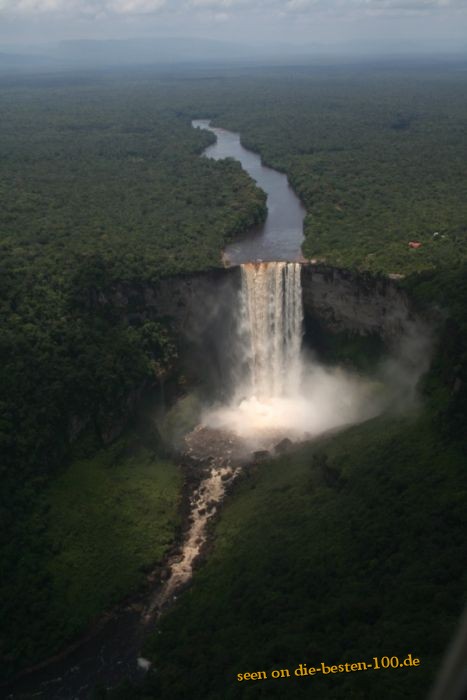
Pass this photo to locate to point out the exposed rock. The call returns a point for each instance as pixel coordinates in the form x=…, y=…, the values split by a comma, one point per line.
x=215, y=446
x=343, y=300
x=143, y=664
x=283, y=446
x=194, y=305
x=261, y=455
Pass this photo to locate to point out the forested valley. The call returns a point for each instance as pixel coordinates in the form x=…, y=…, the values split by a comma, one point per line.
x=99, y=185
x=102, y=183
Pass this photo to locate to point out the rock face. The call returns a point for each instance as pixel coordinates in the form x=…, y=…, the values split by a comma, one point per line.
x=198, y=307
x=283, y=446
x=361, y=303
x=201, y=303
x=191, y=301
x=201, y=308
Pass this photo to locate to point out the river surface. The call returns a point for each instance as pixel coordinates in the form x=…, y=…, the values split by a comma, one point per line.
x=112, y=651
x=281, y=235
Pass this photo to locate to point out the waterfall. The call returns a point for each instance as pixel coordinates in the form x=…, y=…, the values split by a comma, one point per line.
x=278, y=393
x=271, y=322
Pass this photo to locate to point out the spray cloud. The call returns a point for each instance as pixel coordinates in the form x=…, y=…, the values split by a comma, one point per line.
x=277, y=391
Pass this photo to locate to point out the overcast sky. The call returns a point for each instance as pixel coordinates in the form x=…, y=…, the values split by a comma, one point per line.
x=264, y=21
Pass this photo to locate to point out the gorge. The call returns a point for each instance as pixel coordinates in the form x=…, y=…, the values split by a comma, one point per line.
x=247, y=335
x=220, y=449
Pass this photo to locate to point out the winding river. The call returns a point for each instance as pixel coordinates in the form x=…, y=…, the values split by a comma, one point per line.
x=281, y=235
x=111, y=651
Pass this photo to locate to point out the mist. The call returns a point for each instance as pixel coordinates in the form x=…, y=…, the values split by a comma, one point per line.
x=279, y=389
x=182, y=53
x=64, y=34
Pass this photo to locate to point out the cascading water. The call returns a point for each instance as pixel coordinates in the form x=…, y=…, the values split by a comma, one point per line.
x=279, y=393
x=271, y=324
x=270, y=337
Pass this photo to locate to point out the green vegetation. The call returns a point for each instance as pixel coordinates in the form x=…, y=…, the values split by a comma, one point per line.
x=347, y=549
x=377, y=156
x=108, y=522
x=100, y=184
x=353, y=547
x=87, y=542
x=109, y=175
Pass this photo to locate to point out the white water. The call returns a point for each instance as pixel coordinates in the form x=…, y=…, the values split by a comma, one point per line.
x=279, y=393
x=271, y=321
x=204, y=503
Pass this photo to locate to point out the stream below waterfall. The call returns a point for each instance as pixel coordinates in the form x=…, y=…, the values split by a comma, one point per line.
x=111, y=652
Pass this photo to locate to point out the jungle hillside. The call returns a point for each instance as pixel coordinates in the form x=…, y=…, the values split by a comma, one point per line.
x=349, y=548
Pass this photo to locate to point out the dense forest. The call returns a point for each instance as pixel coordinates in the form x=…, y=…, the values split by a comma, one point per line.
x=378, y=159
x=346, y=550
x=98, y=186
x=101, y=183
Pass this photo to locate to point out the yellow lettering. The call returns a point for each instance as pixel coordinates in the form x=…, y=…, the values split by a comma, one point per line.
x=303, y=670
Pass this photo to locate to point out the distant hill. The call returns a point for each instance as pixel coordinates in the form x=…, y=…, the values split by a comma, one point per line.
x=126, y=52
x=180, y=51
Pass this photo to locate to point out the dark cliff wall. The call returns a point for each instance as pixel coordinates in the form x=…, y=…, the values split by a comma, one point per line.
x=201, y=309
x=341, y=300
x=189, y=301
x=198, y=303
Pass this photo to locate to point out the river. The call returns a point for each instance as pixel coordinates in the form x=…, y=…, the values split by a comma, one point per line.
x=111, y=651
x=281, y=235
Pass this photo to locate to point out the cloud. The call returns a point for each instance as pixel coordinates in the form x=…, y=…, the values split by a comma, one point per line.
x=223, y=9
x=81, y=7
x=301, y=5
x=420, y=5
x=216, y=4
x=32, y=6
x=135, y=6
